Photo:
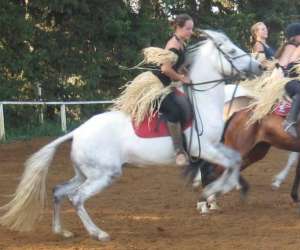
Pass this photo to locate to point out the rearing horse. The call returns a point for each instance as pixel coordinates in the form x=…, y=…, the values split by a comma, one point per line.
x=105, y=142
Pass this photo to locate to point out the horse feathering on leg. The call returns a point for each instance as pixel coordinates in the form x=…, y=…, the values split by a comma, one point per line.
x=105, y=142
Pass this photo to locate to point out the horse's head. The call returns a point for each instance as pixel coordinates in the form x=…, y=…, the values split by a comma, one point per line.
x=225, y=57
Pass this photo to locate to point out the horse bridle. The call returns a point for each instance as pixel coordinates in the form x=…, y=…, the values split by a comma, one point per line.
x=239, y=76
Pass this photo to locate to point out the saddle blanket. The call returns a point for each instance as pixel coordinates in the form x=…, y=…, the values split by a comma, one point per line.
x=156, y=127
x=282, y=108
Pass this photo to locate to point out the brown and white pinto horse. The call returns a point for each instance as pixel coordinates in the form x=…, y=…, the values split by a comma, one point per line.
x=253, y=142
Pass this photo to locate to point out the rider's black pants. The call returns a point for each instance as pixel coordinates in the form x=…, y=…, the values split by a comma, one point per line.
x=171, y=110
x=293, y=88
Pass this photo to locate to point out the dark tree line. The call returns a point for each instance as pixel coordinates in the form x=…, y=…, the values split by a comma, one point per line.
x=73, y=48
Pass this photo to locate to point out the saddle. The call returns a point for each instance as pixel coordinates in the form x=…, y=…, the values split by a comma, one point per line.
x=155, y=126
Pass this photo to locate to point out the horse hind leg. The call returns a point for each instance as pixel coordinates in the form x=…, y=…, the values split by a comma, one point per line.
x=294, y=192
x=90, y=187
x=59, y=193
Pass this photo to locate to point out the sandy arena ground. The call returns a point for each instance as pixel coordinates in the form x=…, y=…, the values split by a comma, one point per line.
x=152, y=208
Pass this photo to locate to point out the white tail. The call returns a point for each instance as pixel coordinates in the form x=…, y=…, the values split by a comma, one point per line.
x=29, y=199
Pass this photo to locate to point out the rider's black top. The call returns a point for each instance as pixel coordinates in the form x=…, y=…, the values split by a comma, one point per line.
x=166, y=81
x=269, y=52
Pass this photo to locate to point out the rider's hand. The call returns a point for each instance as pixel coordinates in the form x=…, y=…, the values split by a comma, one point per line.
x=185, y=79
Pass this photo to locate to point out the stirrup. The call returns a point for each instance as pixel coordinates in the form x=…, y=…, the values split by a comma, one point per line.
x=290, y=128
x=182, y=158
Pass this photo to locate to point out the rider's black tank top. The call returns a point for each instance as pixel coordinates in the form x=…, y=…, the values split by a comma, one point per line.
x=180, y=60
x=268, y=51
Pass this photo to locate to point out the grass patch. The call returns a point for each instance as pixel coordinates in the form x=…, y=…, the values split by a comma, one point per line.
x=29, y=131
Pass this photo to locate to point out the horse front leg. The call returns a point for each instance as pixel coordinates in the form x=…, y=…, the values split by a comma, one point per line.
x=230, y=160
x=294, y=192
x=280, y=177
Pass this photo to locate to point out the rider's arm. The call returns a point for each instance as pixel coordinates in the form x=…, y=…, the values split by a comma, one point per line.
x=167, y=68
x=258, y=52
x=258, y=48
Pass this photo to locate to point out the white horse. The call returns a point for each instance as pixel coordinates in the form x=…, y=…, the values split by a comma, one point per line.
x=105, y=142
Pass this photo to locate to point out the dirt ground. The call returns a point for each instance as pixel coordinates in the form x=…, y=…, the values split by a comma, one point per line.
x=153, y=208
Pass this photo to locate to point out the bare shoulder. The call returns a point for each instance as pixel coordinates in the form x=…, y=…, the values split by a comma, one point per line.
x=295, y=54
x=298, y=49
x=173, y=43
x=289, y=48
x=288, y=55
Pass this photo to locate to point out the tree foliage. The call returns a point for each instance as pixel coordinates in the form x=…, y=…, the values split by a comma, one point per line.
x=73, y=48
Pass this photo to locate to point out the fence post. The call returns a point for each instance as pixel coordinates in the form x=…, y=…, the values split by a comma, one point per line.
x=41, y=108
x=63, y=118
x=2, y=126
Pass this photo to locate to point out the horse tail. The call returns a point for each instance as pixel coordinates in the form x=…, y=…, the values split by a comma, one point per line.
x=30, y=196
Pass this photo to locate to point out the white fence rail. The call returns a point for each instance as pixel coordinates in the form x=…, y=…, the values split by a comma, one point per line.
x=63, y=105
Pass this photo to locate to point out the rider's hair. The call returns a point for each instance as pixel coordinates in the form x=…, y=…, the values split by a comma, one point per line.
x=180, y=20
x=253, y=31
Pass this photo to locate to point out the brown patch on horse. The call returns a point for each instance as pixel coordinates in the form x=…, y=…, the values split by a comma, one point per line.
x=254, y=141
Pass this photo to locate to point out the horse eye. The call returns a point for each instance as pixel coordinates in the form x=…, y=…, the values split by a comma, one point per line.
x=232, y=52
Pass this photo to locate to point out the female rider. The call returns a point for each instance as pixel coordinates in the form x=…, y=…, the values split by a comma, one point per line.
x=183, y=25
x=288, y=56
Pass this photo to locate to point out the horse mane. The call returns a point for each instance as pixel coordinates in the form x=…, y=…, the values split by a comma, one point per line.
x=192, y=50
x=201, y=38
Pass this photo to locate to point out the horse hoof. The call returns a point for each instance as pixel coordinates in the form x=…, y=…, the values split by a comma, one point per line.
x=196, y=184
x=103, y=237
x=202, y=207
x=275, y=185
x=65, y=233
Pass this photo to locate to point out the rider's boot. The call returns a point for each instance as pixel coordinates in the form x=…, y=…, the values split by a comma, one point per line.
x=176, y=135
x=290, y=123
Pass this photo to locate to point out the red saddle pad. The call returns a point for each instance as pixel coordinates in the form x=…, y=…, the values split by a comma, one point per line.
x=282, y=108
x=155, y=128
x=151, y=128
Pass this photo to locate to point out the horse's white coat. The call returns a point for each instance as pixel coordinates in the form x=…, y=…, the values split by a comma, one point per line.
x=105, y=142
